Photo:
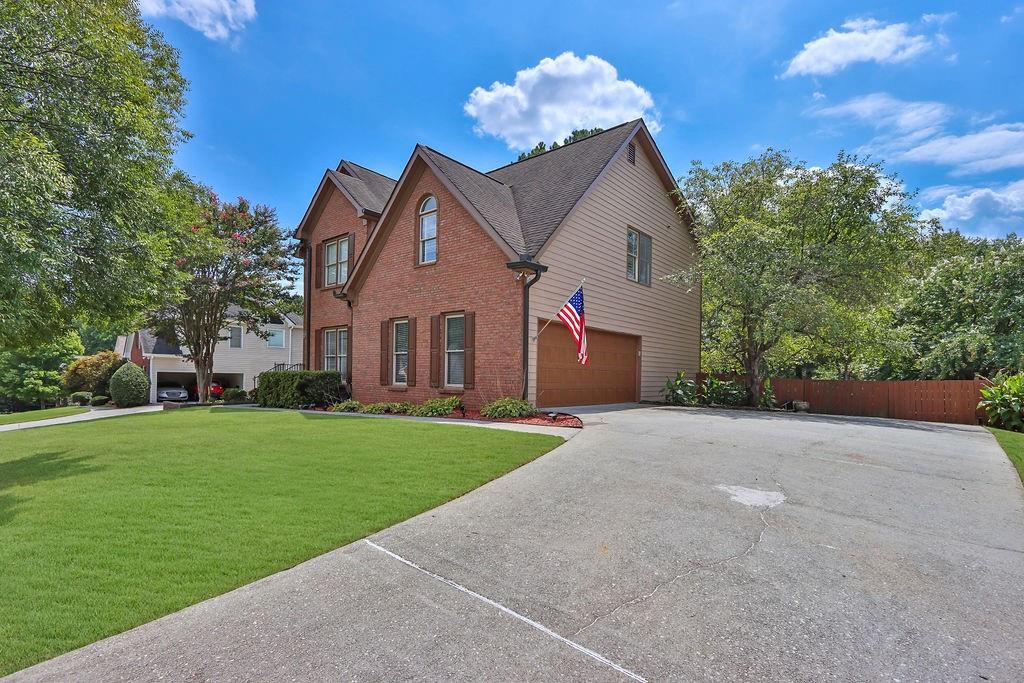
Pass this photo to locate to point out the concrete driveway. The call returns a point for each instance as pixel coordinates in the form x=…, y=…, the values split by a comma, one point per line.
x=658, y=544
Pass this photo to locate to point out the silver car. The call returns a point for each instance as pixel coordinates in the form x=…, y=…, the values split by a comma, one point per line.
x=171, y=392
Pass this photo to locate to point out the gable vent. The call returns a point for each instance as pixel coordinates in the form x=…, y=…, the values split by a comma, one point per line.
x=631, y=153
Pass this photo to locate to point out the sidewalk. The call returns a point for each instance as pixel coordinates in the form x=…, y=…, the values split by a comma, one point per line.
x=95, y=414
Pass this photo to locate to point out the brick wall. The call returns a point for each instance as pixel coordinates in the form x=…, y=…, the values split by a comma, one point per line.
x=469, y=275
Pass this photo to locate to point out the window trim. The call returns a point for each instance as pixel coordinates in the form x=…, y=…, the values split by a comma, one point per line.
x=284, y=338
x=420, y=214
x=337, y=348
x=640, y=235
x=395, y=353
x=241, y=336
x=444, y=349
x=337, y=263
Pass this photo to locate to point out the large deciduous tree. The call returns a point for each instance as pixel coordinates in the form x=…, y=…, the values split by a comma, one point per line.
x=779, y=240
x=238, y=269
x=90, y=106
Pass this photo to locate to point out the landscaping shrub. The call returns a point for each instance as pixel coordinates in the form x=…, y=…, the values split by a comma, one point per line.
x=399, y=408
x=99, y=400
x=724, y=392
x=297, y=388
x=92, y=373
x=254, y=395
x=349, y=406
x=1003, y=402
x=374, y=408
x=767, y=399
x=680, y=391
x=508, y=407
x=129, y=386
x=234, y=395
x=81, y=398
x=437, y=407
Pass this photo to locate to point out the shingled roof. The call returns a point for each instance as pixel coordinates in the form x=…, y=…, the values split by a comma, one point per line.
x=377, y=185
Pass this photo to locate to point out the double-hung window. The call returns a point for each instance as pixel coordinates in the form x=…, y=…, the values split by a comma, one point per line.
x=276, y=339
x=336, y=350
x=454, y=350
x=427, y=235
x=400, y=352
x=638, y=256
x=336, y=262
x=234, y=337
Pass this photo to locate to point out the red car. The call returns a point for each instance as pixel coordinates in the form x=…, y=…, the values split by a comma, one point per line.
x=216, y=390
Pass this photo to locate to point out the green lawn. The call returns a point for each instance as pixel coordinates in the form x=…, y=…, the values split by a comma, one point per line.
x=1013, y=444
x=108, y=524
x=33, y=415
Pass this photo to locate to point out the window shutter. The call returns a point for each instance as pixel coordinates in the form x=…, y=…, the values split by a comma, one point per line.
x=318, y=350
x=435, y=350
x=468, y=381
x=410, y=373
x=318, y=265
x=645, y=259
x=348, y=355
x=351, y=254
x=385, y=352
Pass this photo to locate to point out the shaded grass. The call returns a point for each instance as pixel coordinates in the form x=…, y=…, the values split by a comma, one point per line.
x=109, y=524
x=1013, y=444
x=33, y=415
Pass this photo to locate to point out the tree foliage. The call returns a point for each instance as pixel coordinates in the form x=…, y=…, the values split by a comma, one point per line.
x=34, y=374
x=90, y=105
x=238, y=269
x=92, y=373
x=577, y=134
x=782, y=244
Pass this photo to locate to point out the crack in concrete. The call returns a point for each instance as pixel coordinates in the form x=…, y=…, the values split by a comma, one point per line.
x=765, y=525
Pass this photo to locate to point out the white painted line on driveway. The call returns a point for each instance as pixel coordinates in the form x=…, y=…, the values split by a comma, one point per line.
x=526, y=620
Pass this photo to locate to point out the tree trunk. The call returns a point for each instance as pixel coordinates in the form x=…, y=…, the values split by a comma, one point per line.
x=204, y=374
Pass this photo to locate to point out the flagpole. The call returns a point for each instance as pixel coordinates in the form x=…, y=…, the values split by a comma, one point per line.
x=550, y=320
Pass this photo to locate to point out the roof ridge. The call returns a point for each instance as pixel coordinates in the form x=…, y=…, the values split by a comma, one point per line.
x=367, y=168
x=464, y=165
x=560, y=147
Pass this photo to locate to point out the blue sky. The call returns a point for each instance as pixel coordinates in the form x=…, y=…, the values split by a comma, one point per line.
x=281, y=90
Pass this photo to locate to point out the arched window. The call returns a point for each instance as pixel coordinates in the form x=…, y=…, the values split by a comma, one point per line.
x=428, y=230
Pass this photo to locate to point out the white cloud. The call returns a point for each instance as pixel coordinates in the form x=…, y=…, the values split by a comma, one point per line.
x=990, y=149
x=863, y=40
x=1014, y=14
x=547, y=101
x=216, y=19
x=938, y=18
x=988, y=210
x=906, y=118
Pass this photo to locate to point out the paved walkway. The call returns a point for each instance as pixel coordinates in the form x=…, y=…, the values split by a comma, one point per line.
x=94, y=414
x=658, y=544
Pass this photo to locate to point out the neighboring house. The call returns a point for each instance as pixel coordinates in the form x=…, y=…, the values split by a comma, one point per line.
x=417, y=288
x=237, y=360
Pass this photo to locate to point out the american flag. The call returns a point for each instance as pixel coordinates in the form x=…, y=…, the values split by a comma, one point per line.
x=572, y=315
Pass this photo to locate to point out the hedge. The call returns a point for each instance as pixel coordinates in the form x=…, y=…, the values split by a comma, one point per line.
x=298, y=388
x=129, y=386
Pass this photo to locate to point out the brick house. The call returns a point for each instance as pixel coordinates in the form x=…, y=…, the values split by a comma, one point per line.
x=439, y=282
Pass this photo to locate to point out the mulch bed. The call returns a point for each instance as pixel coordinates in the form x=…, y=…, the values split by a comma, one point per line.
x=541, y=418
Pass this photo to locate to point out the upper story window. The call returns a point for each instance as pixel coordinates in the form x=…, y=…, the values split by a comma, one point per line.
x=427, y=225
x=638, y=256
x=336, y=350
x=400, y=352
x=336, y=262
x=235, y=337
x=276, y=339
x=455, y=350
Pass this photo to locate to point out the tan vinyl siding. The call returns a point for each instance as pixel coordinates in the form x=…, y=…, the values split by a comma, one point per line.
x=592, y=244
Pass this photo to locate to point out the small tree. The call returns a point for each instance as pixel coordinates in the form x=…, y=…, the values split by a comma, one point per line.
x=34, y=374
x=92, y=373
x=777, y=239
x=238, y=263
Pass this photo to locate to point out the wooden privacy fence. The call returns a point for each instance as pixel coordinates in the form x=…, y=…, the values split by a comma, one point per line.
x=947, y=400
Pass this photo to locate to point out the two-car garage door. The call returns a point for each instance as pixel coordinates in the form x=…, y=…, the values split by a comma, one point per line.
x=612, y=376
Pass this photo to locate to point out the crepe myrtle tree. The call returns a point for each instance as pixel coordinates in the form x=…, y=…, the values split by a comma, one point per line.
x=237, y=261
x=776, y=239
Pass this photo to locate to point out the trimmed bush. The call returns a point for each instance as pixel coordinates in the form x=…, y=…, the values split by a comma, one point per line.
x=129, y=386
x=508, y=407
x=437, y=407
x=81, y=398
x=99, y=400
x=374, y=408
x=349, y=406
x=680, y=391
x=298, y=388
x=92, y=373
x=234, y=395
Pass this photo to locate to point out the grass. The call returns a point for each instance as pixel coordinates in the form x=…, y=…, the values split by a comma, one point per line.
x=108, y=524
x=33, y=415
x=1013, y=444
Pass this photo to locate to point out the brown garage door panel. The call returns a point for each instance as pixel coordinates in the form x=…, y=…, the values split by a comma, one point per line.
x=611, y=377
